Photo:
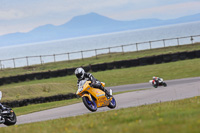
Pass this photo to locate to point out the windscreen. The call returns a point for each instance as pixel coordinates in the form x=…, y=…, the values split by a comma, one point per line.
x=81, y=83
x=80, y=86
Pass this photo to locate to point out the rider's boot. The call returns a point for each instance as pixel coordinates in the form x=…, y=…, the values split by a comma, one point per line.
x=106, y=92
x=102, y=88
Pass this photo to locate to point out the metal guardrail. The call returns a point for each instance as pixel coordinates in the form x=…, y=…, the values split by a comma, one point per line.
x=82, y=54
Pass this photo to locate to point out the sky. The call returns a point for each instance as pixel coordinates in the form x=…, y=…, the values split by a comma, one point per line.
x=25, y=15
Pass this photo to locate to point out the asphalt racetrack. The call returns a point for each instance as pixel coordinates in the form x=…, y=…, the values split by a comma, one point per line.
x=176, y=89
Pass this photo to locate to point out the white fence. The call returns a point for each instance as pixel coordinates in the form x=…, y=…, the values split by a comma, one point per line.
x=41, y=59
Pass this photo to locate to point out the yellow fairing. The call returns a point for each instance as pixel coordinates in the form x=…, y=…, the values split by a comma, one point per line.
x=87, y=95
x=98, y=95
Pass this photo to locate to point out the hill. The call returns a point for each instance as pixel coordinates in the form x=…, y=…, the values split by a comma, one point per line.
x=84, y=25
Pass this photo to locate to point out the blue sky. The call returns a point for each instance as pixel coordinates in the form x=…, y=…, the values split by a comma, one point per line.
x=25, y=15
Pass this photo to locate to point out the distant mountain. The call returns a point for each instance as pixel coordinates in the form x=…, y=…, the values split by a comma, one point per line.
x=84, y=25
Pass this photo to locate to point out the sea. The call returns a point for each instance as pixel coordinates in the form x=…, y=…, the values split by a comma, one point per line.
x=68, y=49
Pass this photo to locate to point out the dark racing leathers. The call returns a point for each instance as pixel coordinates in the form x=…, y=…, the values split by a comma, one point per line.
x=94, y=82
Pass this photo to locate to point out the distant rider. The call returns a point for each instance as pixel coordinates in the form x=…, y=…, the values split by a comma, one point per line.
x=156, y=80
x=82, y=75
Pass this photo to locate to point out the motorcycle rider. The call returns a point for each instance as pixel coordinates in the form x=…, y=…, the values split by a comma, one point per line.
x=81, y=75
x=156, y=80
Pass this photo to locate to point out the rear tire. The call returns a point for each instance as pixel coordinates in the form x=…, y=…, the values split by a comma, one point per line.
x=164, y=84
x=91, y=105
x=11, y=120
x=112, y=103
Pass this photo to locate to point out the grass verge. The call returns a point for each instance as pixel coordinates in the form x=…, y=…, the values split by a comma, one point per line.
x=169, y=117
x=63, y=85
x=101, y=59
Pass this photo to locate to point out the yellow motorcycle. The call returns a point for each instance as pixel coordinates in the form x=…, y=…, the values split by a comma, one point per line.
x=94, y=98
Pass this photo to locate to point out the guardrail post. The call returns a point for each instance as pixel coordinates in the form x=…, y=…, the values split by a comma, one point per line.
x=122, y=49
x=14, y=62
x=164, y=42
x=54, y=56
x=136, y=46
x=109, y=51
x=178, y=41
x=1, y=65
x=96, y=53
x=191, y=39
x=82, y=54
x=150, y=44
x=27, y=61
x=41, y=59
x=68, y=56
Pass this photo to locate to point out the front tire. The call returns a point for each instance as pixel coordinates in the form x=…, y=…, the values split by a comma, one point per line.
x=91, y=105
x=112, y=103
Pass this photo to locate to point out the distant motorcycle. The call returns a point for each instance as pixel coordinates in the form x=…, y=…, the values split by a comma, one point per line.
x=7, y=117
x=94, y=98
x=159, y=83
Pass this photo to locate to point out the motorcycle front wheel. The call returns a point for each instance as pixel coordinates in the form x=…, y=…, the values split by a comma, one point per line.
x=91, y=105
x=155, y=86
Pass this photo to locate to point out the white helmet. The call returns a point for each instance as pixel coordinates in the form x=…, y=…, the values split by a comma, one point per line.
x=79, y=72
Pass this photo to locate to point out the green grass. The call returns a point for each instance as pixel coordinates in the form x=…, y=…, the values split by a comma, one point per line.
x=64, y=85
x=182, y=116
x=101, y=59
x=178, y=116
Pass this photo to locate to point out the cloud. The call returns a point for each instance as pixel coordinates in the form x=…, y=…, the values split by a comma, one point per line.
x=162, y=12
x=24, y=8
x=70, y=8
x=23, y=15
x=11, y=14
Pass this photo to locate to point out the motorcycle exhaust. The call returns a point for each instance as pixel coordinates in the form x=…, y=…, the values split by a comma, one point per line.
x=110, y=92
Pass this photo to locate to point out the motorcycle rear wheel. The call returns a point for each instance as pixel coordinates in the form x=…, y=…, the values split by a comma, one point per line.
x=164, y=84
x=91, y=105
x=112, y=103
x=11, y=120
